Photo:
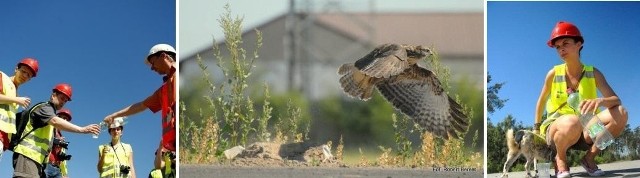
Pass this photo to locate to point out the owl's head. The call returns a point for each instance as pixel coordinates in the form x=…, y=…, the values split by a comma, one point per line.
x=418, y=52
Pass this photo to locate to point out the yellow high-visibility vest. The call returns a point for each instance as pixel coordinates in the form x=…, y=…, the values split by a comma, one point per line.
x=8, y=111
x=111, y=164
x=587, y=90
x=35, y=144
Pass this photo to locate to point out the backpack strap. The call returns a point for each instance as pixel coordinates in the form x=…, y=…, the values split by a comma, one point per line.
x=28, y=116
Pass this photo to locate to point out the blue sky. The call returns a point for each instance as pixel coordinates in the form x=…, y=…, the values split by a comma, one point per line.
x=98, y=47
x=517, y=53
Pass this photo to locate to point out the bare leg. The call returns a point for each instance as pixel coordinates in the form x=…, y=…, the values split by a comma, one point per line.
x=565, y=131
x=615, y=120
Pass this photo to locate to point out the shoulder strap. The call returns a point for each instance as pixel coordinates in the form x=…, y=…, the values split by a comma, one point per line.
x=29, y=117
x=565, y=102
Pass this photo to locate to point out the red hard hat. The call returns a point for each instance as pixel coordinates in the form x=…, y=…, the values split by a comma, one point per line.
x=65, y=111
x=564, y=29
x=64, y=89
x=31, y=63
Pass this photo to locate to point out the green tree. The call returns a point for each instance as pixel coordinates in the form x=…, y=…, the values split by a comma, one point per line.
x=497, y=145
x=493, y=101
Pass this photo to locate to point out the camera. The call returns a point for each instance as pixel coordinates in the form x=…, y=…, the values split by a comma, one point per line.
x=60, y=143
x=63, y=156
x=124, y=169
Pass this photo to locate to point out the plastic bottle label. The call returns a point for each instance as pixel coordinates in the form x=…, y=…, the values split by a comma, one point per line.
x=595, y=129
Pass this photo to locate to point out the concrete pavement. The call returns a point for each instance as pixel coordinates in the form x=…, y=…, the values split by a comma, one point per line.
x=617, y=169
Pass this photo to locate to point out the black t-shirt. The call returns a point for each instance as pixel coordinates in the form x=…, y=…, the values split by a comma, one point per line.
x=41, y=115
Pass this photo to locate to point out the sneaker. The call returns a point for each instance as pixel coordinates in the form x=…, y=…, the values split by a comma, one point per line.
x=591, y=171
x=563, y=174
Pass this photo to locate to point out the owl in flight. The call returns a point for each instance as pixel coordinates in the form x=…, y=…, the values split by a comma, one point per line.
x=414, y=90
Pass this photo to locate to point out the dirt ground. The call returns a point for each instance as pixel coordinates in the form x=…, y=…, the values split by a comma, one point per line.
x=267, y=154
x=303, y=160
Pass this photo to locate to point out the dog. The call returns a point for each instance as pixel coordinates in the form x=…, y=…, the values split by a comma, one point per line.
x=528, y=144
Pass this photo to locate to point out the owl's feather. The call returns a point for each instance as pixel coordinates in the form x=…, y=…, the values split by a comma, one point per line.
x=413, y=90
x=418, y=94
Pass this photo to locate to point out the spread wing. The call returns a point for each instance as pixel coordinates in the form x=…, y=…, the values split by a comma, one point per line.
x=384, y=61
x=355, y=83
x=417, y=92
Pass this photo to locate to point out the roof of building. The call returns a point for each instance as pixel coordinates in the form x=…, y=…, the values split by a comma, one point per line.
x=452, y=34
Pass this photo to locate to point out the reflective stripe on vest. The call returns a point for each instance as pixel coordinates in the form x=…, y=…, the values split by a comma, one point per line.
x=111, y=164
x=36, y=144
x=8, y=111
x=558, y=93
x=168, y=118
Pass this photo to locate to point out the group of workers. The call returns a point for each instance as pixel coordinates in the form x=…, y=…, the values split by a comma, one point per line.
x=34, y=134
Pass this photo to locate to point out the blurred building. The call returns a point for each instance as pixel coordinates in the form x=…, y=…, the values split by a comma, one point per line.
x=302, y=51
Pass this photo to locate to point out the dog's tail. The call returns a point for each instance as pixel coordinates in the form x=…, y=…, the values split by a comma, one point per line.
x=511, y=141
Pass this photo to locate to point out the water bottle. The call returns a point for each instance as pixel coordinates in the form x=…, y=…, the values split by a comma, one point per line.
x=603, y=137
x=103, y=125
x=597, y=131
x=574, y=102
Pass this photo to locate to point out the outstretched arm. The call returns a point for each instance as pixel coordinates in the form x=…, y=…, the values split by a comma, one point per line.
x=544, y=95
x=62, y=124
x=127, y=111
x=22, y=101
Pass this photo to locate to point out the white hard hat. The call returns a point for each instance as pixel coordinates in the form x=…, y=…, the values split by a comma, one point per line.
x=159, y=48
x=117, y=122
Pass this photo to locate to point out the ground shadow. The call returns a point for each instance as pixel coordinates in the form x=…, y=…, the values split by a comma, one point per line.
x=632, y=172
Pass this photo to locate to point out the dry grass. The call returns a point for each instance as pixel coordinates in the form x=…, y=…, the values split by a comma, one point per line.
x=340, y=150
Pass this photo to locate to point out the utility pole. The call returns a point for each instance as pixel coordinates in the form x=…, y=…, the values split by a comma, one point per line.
x=290, y=45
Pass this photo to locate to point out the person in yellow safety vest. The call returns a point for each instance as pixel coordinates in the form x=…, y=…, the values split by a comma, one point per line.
x=29, y=155
x=115, y=159
x=57, y=165
x=161, y=58
x=562, y=127
x=26, y=69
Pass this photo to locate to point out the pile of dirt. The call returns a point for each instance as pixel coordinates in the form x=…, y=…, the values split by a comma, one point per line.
x=285, y=155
